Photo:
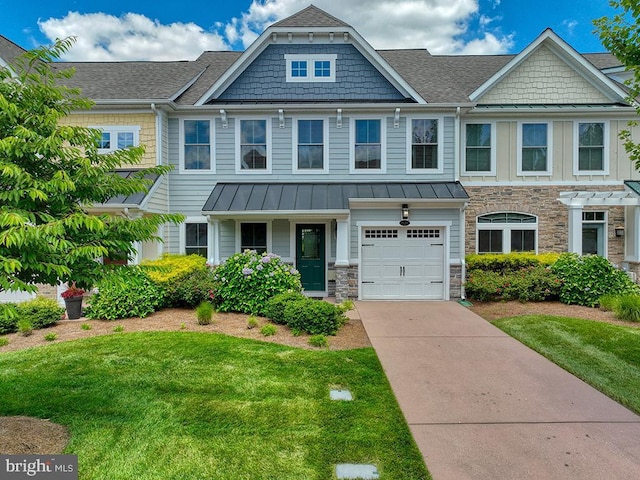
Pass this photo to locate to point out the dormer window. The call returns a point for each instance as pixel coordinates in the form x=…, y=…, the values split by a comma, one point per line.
x=311, y=68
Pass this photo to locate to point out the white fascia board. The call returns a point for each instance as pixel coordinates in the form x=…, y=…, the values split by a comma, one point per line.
x=287, y=214
x=264, y=40
x=565, y=51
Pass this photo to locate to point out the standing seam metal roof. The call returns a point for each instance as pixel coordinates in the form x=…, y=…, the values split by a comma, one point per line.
x=239, y=197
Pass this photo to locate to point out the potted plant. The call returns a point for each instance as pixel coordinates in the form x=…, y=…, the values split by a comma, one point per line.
x=73, y=301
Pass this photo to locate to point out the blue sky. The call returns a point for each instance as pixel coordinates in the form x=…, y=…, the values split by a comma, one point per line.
x=161, y=30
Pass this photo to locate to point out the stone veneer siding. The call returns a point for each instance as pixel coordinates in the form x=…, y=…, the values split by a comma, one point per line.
x=553, y=216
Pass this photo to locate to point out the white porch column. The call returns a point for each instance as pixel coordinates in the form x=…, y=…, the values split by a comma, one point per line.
x=575, y=229
x=213, y=244
x=342, y=243
x=137, y=257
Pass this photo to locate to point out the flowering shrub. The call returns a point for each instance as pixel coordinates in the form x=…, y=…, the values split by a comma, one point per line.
x=586, y=278
x=245, y=281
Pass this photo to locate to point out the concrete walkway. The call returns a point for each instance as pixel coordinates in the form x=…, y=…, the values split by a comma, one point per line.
x=481, y=405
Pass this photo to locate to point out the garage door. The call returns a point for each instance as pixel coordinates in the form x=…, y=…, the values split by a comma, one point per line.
x=402, y=263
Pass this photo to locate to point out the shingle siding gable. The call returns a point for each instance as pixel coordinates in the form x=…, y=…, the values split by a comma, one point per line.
x=265, y=79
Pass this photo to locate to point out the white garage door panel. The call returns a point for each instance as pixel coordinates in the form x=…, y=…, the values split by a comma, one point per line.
x=403, y=263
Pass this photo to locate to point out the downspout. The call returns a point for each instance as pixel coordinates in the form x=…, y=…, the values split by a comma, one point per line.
x=456, y=174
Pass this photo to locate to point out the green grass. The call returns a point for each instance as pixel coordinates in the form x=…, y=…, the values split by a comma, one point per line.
x=181, y=405
x=605, y=356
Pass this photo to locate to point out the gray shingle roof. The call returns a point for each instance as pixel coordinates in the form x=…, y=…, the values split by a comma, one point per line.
x=131, y=80
x=240, y=197
x=311, y=16
x=9, y=50
x=214, y=64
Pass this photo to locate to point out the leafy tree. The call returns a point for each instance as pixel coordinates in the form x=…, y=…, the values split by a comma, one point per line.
x=50, y=177
x=620, y=34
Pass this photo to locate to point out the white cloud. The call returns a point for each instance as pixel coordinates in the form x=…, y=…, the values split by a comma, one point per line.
x=102, y=37
x=438, y=25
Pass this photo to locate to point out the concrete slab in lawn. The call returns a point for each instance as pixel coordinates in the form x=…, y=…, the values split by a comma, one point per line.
x=483, y=406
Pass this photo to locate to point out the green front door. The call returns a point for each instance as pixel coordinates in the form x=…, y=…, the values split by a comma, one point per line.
x=310, y=259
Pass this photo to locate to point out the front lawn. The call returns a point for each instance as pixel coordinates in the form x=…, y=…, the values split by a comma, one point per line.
x=605, y=356
x=184, y=405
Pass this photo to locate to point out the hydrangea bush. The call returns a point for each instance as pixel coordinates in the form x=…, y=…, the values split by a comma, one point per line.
x=247, y=280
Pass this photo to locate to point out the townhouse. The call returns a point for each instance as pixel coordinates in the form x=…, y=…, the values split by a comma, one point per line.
x=375, y=171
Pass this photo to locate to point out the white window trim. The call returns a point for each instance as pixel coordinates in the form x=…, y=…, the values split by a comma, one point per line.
x=212, y=168
x=114, y=130
x=506, y=230
x=238, y=242
x=576, y=145
x=183, y=234
x=440, y=145
x=605, y=227
x=549, y=169
x=310, y=59
x=352, y=146
x=484, y=173
x=269, y=139
x=325, y=150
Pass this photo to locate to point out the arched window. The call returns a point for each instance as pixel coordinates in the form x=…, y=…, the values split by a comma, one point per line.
x=505, y=232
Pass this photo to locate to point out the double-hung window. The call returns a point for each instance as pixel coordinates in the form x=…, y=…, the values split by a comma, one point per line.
x=114, y=138
x=196, y=145
x=253, y=236
x=253, y=147
x=195, y=239
x=478, y=150
x=425, y=150
x=368, y=145
x=506, y=232
x=309, y=153
x=534, y=148
x=591, y=148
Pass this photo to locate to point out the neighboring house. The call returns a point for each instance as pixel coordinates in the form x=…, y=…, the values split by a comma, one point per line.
x=375, y=172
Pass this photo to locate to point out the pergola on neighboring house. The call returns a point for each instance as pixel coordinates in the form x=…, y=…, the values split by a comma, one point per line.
x=629, y=198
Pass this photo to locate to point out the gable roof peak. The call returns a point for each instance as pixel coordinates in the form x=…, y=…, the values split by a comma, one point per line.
x=311, y=16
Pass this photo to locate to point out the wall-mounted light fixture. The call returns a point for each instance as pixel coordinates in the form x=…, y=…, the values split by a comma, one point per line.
x=619, y=231
x=405, y=215
x=339, y=118
x=281, y=117
x=223, y=118
x=396, y=118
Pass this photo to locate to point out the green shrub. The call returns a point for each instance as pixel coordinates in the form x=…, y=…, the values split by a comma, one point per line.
x=118, y=328
x=85, y=326
x=245, y=281
x=24, y=327
x=204, y=313
x=41, y=312
x=315, y=317
x=252, y=322
x=627, y=307
x=50, y=337
x=8, y=318
x=186, y=279
x=509, y=262
x=584, y=279
x=268, y=330
x=274, y=308
x=318, y=341
x=530, y=284
x=608, y=302
x=4, y=341
x=125, y=292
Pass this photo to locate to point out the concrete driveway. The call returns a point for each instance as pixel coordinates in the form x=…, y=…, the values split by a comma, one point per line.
x=481, y=405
